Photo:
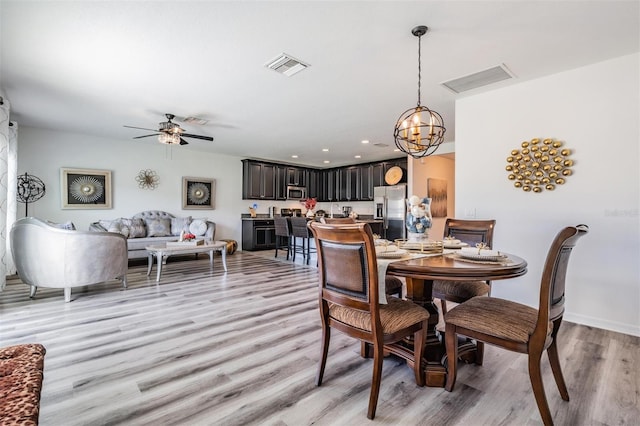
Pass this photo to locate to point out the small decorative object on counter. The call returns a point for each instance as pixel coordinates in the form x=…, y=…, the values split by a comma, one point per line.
x=353, y=215
x=252, y=210
x=309, y=204
x=419, y=218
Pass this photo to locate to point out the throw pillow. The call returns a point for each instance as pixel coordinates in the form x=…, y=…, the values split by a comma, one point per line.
x=66, y=225
x=119, y=227
x=179, y=224
x=198, y=227
x=158, y=227
x=106, y=224
x=137, y=228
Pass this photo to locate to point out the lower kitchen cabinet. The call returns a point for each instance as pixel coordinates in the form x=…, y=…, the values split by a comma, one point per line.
x=258, y=234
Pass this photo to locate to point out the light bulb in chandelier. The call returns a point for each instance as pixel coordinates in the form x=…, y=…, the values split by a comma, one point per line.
x=169, y=138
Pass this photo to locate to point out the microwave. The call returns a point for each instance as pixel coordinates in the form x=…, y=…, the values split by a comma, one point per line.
x=296, y=193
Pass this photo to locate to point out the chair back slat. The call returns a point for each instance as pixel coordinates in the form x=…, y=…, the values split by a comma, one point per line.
x=299, y=227
x=552, y=286
x=470, y=231
x=346, y=261
x=283, y=227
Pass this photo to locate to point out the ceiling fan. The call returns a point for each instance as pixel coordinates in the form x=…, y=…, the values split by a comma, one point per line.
x=170, y=133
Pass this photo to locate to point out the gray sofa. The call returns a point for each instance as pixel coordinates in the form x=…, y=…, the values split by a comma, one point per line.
x=154, y=227
x=47, y=256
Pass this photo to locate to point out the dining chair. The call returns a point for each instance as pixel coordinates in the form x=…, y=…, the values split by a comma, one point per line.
x=300, y=230
x=283, y=234
x=349, y=302
x=471, y=232
x=392, y=285
x=518, y=327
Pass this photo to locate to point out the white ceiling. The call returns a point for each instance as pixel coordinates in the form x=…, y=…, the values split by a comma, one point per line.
x=92, y=67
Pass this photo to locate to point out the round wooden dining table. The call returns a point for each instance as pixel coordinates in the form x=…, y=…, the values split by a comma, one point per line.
x=419, y=274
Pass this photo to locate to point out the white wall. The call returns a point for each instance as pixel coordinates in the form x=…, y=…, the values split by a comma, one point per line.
x=44, y=152
x=594, y=110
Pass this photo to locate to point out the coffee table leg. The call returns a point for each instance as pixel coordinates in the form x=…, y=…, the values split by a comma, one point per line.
x=223, y=252
x=149, y=262
x=211, y=258
x=159, y=260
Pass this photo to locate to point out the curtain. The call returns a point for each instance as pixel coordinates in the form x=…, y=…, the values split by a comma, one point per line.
x=8, y=188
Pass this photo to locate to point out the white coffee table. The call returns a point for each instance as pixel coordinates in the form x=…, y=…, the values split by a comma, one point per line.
x=162, y=252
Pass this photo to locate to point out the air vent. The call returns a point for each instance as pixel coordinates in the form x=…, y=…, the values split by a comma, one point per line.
x=286, y=64
x=381, y=145
x=479, y=79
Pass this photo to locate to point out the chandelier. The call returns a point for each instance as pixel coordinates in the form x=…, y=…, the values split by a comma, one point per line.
x=419, y=131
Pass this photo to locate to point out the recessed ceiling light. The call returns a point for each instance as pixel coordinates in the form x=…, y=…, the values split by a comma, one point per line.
x=326, y=161
x=365, y=141
x=294, y=156
x=325, y=149
x=357, y=156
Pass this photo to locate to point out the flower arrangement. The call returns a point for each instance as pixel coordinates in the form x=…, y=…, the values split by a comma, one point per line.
x=418, y=215
x=188, y=237
x=309, y=203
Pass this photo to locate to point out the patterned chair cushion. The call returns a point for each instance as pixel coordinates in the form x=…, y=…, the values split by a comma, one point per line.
x=395, y=315
x=21, y=368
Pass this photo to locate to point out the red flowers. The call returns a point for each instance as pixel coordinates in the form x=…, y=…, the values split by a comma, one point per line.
x=188, y=237
x=309, y=203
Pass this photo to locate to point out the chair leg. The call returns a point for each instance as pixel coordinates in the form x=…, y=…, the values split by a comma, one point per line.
x=378, y=356
x=535, y=375
x=67, y=294
x=451, y=342
x=32, y=291
x=554, y=360
x=479, y=352
x=326, y=335
x=294, y=249
x=419, y=338
x=443, y=304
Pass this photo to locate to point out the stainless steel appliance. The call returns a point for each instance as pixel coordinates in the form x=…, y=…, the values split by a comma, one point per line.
x=296, y=193
x=346, y=211
x=290, y=212
x=390, y=206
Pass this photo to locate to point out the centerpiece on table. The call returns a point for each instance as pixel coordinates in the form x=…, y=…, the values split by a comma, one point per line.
x=418, y=220
x=186, y=239
x=310, y=204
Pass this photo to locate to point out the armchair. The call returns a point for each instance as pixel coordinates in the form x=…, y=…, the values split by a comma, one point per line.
x=46, y=256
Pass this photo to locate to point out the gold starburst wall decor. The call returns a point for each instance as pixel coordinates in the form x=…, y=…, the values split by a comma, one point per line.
x=539, y=165
x=147, y=179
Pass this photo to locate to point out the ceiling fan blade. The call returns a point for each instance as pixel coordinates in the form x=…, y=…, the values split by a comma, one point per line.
x=142, y=128
x=183, y=142
x=206, y=138
x=146, y=136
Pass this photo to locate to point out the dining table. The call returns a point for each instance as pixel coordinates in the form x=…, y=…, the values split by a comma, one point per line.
x=420, y=272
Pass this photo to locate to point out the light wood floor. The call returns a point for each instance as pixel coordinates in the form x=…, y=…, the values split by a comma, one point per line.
x=205, y=347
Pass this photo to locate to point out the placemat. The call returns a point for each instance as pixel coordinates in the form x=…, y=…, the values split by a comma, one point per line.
x=505, y=262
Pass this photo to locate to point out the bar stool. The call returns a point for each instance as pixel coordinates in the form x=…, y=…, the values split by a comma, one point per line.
x=299, y=230
x=283, y=233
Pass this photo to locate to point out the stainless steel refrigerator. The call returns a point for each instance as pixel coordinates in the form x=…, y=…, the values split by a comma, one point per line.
x=390, y=206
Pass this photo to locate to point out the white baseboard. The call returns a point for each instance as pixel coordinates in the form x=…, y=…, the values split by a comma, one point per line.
x=633, y=330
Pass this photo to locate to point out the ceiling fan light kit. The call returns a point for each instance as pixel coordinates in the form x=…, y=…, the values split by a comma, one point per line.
x=419, y=131
x=170, y=133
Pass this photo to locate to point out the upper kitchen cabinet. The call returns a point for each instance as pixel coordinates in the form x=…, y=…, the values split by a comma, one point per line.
x=296, y=176
x=258, y=180
x=348, y=187
x=314, y=183
x=281, y=183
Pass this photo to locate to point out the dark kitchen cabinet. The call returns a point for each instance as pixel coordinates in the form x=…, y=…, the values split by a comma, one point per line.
x=314, y=183
x=377, y=174
x=281, y=183
x=348, y=187
x=258, y=181
x=366, y=182
x=296, y=176
x=258, y=234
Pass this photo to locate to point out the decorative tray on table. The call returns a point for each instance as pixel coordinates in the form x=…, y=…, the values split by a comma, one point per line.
x=475, y=254
x=426, y=246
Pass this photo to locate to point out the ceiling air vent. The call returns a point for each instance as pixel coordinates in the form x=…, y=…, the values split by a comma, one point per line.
x=286, y=64
x=479, y=79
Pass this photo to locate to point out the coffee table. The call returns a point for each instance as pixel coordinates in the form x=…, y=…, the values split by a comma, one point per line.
x=162, y=252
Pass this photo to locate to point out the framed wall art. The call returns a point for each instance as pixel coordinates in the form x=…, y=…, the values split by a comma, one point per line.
x=85, y=188
x=437, y=190
x=198, y=193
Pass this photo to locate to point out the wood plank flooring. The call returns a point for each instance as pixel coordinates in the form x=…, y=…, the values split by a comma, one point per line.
x=204, y=347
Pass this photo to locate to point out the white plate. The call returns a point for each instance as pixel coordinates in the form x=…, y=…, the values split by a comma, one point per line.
x=454, y=245
x=476, y=256
x=391, y=254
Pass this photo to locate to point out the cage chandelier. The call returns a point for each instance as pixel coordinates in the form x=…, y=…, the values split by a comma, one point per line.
x=419, y=131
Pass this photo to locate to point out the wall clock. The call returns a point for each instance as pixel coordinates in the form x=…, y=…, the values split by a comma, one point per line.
x=539, y=165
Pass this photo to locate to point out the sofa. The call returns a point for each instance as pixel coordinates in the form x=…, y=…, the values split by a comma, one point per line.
x=48, y=256
x=154, y=227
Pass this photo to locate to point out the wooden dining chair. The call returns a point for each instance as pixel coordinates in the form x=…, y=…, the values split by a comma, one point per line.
x=392, y=285
x=518, y=327
x=283, y=235
x=349, y=302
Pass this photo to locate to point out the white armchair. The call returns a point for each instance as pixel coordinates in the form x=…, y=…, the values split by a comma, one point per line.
x=46, y=256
